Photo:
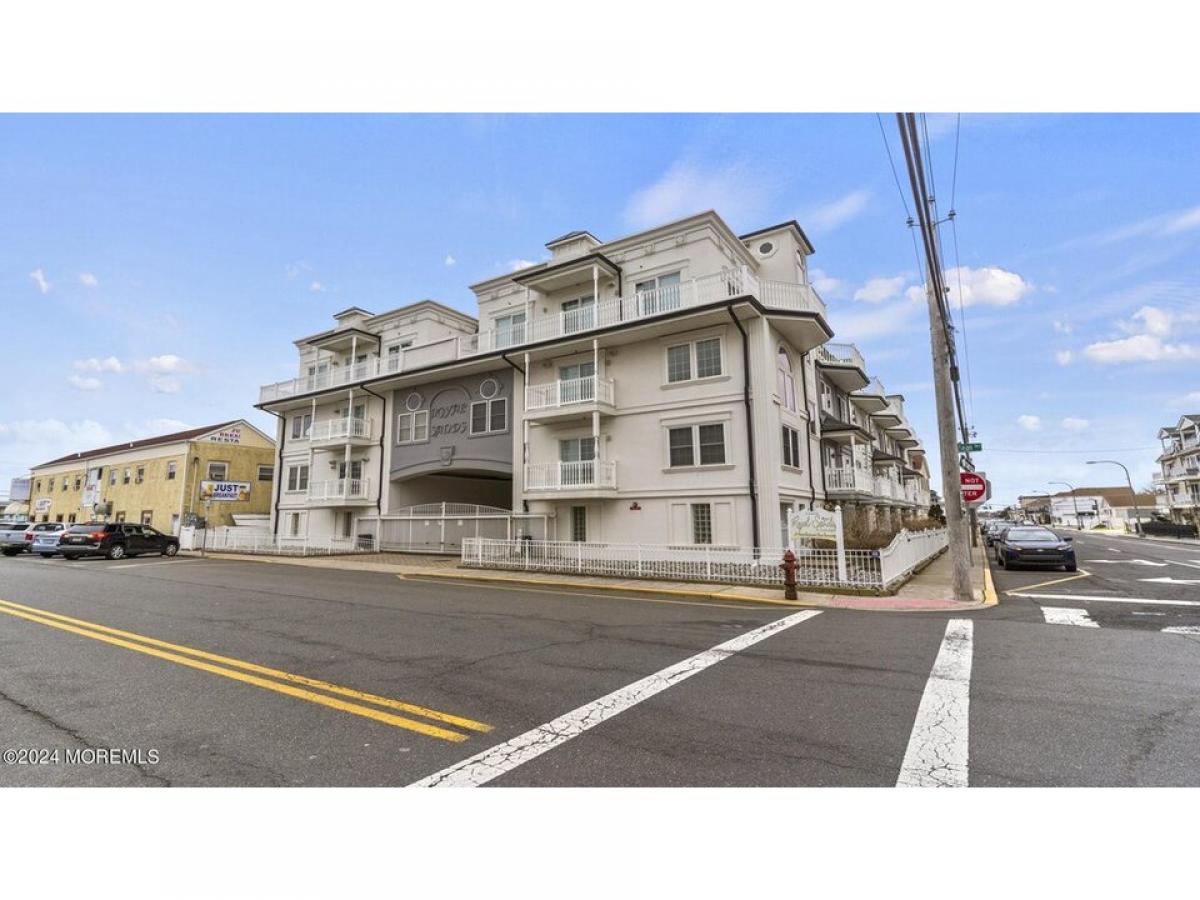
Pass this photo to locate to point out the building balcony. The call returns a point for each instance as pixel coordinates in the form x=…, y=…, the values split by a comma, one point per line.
x=340, y=492
x=342, y=431
x=848, y=480
x=801, y=314
x=843, y=365
x=572, y=478
x=569, y=397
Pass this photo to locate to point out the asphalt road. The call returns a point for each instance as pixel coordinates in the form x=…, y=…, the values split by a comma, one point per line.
x=255, y=673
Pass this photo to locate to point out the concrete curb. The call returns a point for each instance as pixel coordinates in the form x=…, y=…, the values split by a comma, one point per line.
x=692, y=594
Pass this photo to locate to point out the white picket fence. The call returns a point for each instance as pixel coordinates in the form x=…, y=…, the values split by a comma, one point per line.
x=874, y=569
x=257, y=540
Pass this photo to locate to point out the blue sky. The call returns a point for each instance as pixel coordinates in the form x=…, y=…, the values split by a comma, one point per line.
x=155, y=269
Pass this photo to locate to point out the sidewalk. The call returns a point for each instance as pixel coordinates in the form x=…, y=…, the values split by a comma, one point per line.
x=929, y=590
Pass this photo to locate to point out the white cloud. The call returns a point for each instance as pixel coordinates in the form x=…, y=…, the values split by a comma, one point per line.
x=838, y=212
x=1139, y=348
x=292, y=271
x=884, y=320
x=879, y=289
x=165, y=384
x=1164, y=225
x=92, y=364
x=28, y=442
x=1064, y=357
x=84, y=382
x=39, y=278
x=827, y=285
x=915, y=294
x=1180, y=222
x=450, y=261
x=1030, y=423
x=167, y=362
x=316, y=287
x=988, y=286
x=1151, y=320
x=1073, y=423
x=87, y=279
x=515, y=264
x=686, y=187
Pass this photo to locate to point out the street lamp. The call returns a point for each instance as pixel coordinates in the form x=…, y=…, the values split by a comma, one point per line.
x=1074, y=502
x=1137, y=524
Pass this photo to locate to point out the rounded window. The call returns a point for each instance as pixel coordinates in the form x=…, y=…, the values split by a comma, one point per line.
x=489, y=388
x=766, y=248
x=413, y=402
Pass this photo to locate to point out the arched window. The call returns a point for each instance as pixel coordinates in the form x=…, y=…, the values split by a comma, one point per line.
x=785, y=379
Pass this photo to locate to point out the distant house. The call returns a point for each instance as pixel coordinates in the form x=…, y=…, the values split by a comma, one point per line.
x=1100, y=507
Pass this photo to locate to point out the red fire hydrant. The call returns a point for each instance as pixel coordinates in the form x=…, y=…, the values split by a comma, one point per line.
x=789, y=575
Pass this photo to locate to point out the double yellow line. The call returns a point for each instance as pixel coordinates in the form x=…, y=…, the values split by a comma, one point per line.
x=285, y=684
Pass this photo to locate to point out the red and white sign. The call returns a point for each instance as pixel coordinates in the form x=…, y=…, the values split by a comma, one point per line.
x=974, y=487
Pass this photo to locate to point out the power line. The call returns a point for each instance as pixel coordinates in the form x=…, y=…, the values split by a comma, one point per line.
x=962, y=314
x=887, y=147
x=1089, y=450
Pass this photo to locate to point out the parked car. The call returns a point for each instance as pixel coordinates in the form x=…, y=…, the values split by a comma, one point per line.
x=12, y=537
x=1021, y=546
x=115, y=540
x=996, y=531
x=43, y=538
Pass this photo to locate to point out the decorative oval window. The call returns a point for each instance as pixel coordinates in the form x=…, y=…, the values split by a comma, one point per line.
x=489, y=388
x=766, y=248
x=413, y=402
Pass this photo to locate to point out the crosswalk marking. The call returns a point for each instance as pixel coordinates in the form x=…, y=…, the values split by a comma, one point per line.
x=1063, y=615
x=937, y=753
x=1182, y=629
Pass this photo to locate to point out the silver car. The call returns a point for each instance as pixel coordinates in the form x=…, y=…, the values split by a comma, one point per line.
x=45, y=538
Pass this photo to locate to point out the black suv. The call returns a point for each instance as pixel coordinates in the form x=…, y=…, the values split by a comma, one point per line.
x=115, y=540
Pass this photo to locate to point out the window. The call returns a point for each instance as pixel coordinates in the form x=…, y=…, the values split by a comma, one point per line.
x=218, y=471
x=579, y=523
x=112, y=475
x=141, y=474
x=510, y=329
x=37, y=485
x=58, y=518
x=171, y=471
x=71, y=519
x=266, y=473
x=119, y=517
x=577, y=460
x=353, y=471
x=78, y=482
x=702, y=358
x=791, y=447
x=297, y=478
x=301, y=425
x=489, y=416
x=692, y=445
x=702, y=523
x=656, y=295
x=64, y=486
x=785, y=379
x=147, y=515
x=347, y=524
x=294, y=524
x=412, y=427
x=125, y=477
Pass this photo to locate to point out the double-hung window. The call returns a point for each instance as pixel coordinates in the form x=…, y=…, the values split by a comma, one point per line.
x=171, y=467
x=692, y=445
x=301, y=425
x=217, y=471
x=791, y=447
x=297, y=478
x=510, y=329
x=412, y=427
x=578, y=314
x=655, y=295
x=699, y=359
x=489, y=416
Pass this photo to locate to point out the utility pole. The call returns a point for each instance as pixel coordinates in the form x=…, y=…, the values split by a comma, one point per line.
x=939, y=338
x=1074, y=502
x=1137, y=512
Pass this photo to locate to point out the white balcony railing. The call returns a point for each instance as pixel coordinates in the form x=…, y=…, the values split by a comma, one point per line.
x=591, y=473
x=569, y=392
x=341, y=430
x=841, y=355
x=340, y=489
x=697, y=292
x=848, y=479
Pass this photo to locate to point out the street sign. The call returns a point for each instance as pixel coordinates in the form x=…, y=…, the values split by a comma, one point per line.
x=974, y=487
x=969, y=448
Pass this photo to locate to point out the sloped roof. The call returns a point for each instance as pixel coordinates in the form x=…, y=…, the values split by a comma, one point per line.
x=172, y=438
x=571, y=235
x=1114, y=496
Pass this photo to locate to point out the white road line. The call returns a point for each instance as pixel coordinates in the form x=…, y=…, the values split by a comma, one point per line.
x=165, y=562
x=1064, y=615
x=938, y=747
x=1097, y=599
x=496, y=761
x=1182, y=629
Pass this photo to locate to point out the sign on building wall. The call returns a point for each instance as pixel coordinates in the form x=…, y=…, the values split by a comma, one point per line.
x=216, y=491
x=813, y=523
x=91, y=496
x=226, y=436
x=43, y=504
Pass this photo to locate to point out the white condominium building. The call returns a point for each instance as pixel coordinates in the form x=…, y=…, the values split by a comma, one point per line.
x=675, y=386
x=1178, y=481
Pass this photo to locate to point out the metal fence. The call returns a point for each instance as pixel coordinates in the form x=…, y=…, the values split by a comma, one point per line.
x=443, y=527
x=256, y=540
x=874, y=569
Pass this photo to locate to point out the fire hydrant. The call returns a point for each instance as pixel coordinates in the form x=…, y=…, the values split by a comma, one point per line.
x=789, y=575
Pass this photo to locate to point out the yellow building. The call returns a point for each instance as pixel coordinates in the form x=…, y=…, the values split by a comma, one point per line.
x=161, y=481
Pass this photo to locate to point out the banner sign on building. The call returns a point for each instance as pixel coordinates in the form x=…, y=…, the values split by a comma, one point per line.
x=91, y=496
x=231, y=435
x=216, y=491
x=43, y=504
